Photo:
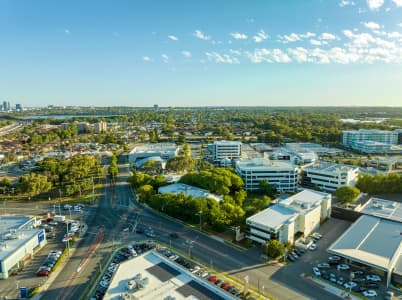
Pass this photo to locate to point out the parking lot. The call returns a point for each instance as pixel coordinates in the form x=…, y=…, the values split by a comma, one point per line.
x=330, y=231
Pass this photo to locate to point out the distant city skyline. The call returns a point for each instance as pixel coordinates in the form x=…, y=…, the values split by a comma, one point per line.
x=201, y=53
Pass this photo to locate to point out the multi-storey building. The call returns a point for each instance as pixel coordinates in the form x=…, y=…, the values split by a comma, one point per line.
x=282, y=175
x=100, y=127
x=297, y=215
x=349, y=137
x=329, y=176
x=226, y=150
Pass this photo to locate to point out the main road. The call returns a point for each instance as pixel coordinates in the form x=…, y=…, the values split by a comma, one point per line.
x=117, y=210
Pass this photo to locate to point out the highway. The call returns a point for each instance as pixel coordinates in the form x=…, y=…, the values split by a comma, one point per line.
x=117, y=210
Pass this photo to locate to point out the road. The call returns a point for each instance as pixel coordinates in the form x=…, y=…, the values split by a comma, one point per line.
x=117, y=210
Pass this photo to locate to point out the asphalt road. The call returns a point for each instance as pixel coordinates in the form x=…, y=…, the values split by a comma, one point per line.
x=117, y=210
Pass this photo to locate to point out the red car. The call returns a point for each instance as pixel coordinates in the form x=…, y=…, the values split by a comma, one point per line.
x=225, y=286
x=42, y=271
x=212, y=279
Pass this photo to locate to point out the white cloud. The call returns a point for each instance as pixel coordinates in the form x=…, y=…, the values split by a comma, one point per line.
x=372, y=25
x=67, y=31
x=397, y=2
x=315, y=42
x=186, y=54
x=327, y=36
x=295, y=37
x=239, y=36
x=222, y=58
x=146, y=58
x=400, y=24
x=200, y=35
x=260, y=36
x=268, y=55
x=344, y=3
x=173, y=37
x=165, y=58
x=235, y=52
x=375, y=4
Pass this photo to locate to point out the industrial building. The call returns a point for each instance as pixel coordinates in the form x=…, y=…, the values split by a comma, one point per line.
x=329, y=176
x=290, y=218
x=19, y=240
x=282, y=175
x=188, y=190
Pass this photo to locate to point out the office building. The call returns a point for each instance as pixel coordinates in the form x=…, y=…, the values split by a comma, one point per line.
x=290, y=218
x=165, y=151
x=18, y=107
x=82, y=127
x=222, y=150
x=329, y=176
x=282, y=175
x=19, y=242
x=100, y=127
x=349, y=137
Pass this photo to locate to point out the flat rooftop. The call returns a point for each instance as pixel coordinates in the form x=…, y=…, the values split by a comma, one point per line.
x=372, y=241
x=383, y=209
x=305, y=200
x=160, y=147
x=326, y=166
x=224, y=142
x=264, y=163
x=188, y=190
x=165, y=278
x=273, y=217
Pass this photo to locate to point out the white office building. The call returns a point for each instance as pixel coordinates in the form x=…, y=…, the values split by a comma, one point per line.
x=165, y=151
x=299, y=214
x=329, y=176
x=349, y=137
x=222, y=150
x=19, y=240
x=372, y=147
x=282, y=175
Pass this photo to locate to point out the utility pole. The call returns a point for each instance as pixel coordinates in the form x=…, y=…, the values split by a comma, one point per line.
x=93, y=190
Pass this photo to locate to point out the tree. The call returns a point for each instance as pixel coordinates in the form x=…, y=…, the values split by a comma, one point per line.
x=265, y=188
x=347, y=194
x=180, y=164
x=145, y=192
x=34, y=184
x=273, y=248
x=186, y=150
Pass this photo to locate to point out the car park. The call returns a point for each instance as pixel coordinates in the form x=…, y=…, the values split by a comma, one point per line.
x=370, y=293
x=316, y=271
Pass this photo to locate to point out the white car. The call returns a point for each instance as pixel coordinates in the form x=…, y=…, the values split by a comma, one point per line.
x=350, y=285
x=373, y=278
x=195, y=269
x=323, y=266
x=370, y=293
x=104, y=283
x=334, y=258
x=173, y=257
x=316, y=271
x=343, y=267
x=313, y=247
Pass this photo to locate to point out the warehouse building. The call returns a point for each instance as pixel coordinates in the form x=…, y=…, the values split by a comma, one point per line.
x=19, y=240
x=292, y=217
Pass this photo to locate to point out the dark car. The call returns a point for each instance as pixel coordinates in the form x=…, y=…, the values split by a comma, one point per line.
x=139, y=230
x=325, y=276
x=174, y=235
x=291, y=258
x=371, y=285
x=358, y=289
x=219, y=282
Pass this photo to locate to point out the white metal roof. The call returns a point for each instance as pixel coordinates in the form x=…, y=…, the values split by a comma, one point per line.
x=305, y=200
x=273, y=217
x=383, y=209
x=188, y=190
x=372, y=241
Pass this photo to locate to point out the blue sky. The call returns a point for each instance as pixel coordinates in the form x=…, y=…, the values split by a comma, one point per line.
x=197, y=53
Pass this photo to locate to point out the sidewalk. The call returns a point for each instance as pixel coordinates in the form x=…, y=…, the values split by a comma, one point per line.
x=330, y=288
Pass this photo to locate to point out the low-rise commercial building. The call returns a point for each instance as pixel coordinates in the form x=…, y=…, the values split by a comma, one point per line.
x=329, y=176
x=187, y=190
x=19, y=240
x=349, y=137
x=297, y=215
x=165, y=151
x=226, y=150
x=282, y=175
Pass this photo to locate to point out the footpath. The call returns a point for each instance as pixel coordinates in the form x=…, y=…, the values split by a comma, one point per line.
x=331, y=289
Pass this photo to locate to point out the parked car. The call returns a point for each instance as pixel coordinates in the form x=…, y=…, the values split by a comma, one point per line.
x=350, y=284
x=340, y=281
x=212, y=279
x=334, y=258
x=316, y=271
x=359, y=289
x=358, y=273
x=218, y=282
x=42, y=271
x=371, y=284
x=291, y=258
x=374, y=278
x=343, y=267
x=323, y=266
x=325, y=276
x=313, y=247
x=370, y=293
x=389, y=295
x=332, y=278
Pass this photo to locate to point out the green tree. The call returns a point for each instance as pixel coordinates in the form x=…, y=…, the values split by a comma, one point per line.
x=347, y=194
x=34, y=184
x=273, y=248
x=180, y=164
x=265, y=188
x=145, y=192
